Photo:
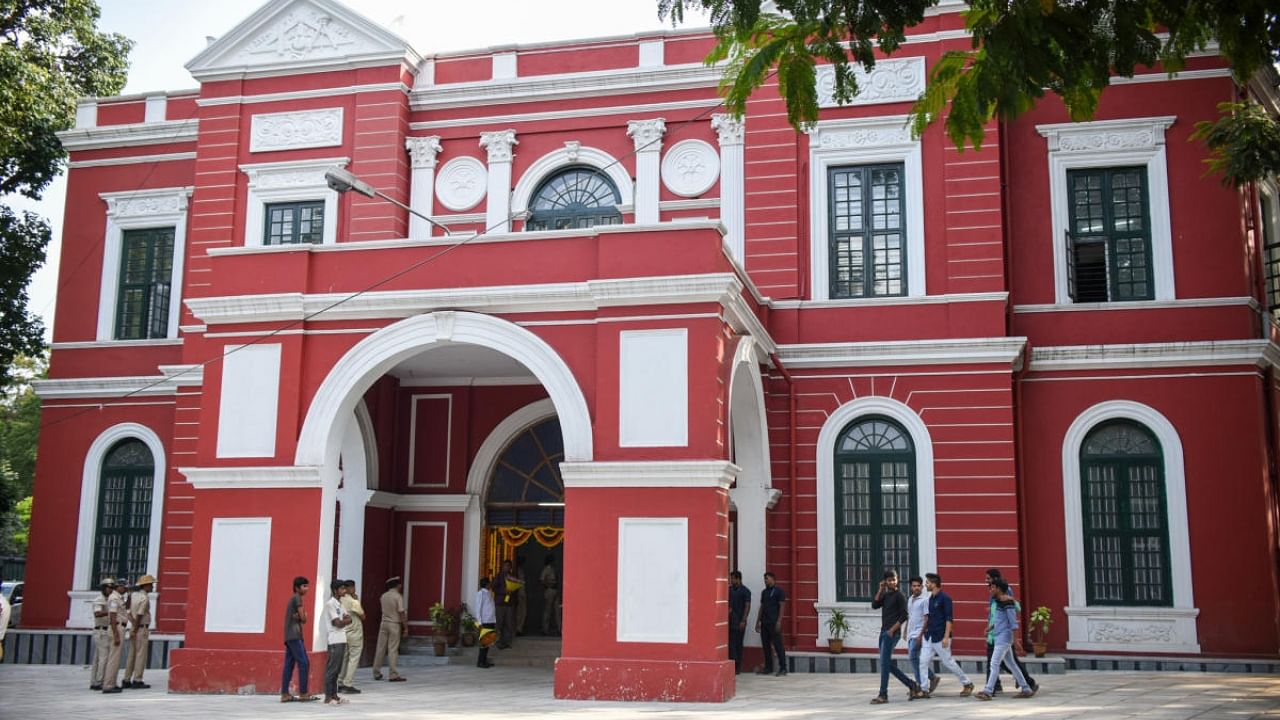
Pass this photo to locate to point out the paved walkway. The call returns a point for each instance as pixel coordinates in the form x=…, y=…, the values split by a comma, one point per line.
x=32, y=692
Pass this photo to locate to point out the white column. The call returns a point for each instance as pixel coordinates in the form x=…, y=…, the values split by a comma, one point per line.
x=497, y=216
x=422, y=183
x=732, y=182
x=472, y=522
x=647, y=135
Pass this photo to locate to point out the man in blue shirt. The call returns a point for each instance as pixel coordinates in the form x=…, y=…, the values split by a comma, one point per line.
x=739, y=609
x=994, y=574
x=1004, y=627
x=937, y=634
x=769, y=624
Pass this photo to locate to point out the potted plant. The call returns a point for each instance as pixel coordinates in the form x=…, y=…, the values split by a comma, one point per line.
x=837, y=628
x=1041, y=618
x=441, y=622
x=470, y=628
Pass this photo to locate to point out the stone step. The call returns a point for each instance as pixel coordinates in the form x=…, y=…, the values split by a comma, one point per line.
x=974, y=666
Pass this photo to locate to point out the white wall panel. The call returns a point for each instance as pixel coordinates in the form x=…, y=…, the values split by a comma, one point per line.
x=239, y=558
x=653, y=388
x=249, y=402
x=653, y=561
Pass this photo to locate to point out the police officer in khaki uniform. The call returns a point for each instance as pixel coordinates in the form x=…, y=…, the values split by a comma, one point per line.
x=117, y=620
x=140, y=619
x=101, y=633
x=355, y=639
x=395, y=623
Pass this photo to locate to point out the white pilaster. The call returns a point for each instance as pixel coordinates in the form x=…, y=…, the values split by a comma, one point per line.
x=422, y=183
x=732, y=182
x=647, y=135
x=500, y=144
x=751, y=501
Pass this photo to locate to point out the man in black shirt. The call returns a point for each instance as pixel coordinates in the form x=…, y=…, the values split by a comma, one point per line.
x=769, y=624
x=739, y=609
x=893, y=616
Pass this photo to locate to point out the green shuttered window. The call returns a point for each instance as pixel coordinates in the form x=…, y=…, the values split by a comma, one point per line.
x=294, y=223
x=1109, y=235
x=875, y=464
x=1126, y=530
x=124, y=512
x=868, y=234
x=145, y=284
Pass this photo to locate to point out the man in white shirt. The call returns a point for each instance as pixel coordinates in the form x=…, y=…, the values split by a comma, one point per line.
x=917, y=608
x=336, y=621
x=487, y=616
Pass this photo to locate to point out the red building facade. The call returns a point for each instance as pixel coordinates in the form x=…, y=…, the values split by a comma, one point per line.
x=667, y=342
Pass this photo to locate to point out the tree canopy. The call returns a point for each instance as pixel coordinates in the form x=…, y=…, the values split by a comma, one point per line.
x=1021, y=49
x=51, y=55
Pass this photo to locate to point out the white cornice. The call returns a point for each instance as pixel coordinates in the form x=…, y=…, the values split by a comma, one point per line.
x=226, y=478
x=564, y=86
x=904, y=300
x=1254, y=353
x=184, y=375
x=302, y=94
x=652, y=474
x=421, y=502
x=1241, y=301
x=113, y=136
x=132, y=160
x=1001, y=350
x=636, y=109
x=107, y=387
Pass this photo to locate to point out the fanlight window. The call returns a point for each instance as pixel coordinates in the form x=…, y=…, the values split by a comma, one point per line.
x=525, y=488
x=578, y=197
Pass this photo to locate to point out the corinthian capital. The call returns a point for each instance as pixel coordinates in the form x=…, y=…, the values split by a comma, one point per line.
x=423, y=150
x=499, y=144
x=647, y=134
x=728, y=128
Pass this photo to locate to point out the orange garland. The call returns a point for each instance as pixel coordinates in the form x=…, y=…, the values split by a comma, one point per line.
x=502, y=541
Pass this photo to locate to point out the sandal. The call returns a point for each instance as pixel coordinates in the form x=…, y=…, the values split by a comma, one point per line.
x=984, y=695
x=287, y=698
x=879, y=700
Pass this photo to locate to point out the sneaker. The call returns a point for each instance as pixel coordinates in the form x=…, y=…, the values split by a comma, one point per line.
x=933, y=683
x=984, y=695
x=376, y=676
x=139, y=685
x=112, y=691
x=349, y=690
x=781, y=673
x=879, y=700
x=967, y=690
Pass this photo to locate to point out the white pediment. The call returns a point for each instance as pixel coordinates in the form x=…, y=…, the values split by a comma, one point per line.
x=289, y=36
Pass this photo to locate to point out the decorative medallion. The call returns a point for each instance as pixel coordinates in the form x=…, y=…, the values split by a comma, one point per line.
x=900, y=80
x=461, y=183
x=690, y=168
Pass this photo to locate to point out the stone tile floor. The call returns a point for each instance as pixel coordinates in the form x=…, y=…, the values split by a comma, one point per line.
x=29, y=692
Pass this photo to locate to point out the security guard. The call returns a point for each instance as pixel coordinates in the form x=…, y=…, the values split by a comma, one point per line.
x=355, y=639
x=117, y=619
x=140, y=619
x=101, y=633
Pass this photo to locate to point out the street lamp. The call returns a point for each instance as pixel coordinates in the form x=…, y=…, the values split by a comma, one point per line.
x=340, y=180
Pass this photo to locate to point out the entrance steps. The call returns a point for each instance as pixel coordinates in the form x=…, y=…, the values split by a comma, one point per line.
x=974, y=666
x=527, y=651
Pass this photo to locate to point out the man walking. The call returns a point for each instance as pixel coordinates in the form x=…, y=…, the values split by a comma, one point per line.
x=549, y=583
x=101, y=633
x=938, y=622
x=893, y=615
x=336, y=622
x=506, y=602
x=739, y=611
x=993, y=574
x=140, y=619
x=355, y=639
x=295, y=653
x=117, y=619
x=522, y=598
x=394, y=625
x=1004, y=629
x=917, y=607
x=773, y=603
x=487, y=618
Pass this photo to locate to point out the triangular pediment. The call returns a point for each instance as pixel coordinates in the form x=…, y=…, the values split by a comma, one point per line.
x=289, y=36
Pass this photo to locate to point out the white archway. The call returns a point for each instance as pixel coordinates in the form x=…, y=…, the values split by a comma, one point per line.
x=1128, y=628
x=564, y=157
x=866, y=622
x=753, y=493
x=359, y=479
x=319, y=443
x=86, y=529
x=478, y=481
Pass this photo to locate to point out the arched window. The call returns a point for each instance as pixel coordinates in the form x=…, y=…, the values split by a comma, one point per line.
x=1126, y=530
x=526, y=488
x=576, y=197
x=124, y=511
x=875, y=468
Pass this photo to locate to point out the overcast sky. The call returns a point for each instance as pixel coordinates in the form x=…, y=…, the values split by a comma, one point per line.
x=168, y=33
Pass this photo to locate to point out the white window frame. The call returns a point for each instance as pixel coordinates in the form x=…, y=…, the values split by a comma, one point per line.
x=573, y=153
x=1111, y=143
x=865, y=141
x=865, y=622
x=1268, y=194
x=139, y=210
x=1129, y=628
x=292, y=181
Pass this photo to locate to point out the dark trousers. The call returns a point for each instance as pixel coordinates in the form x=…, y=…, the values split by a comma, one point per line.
x=771, y=639
x=333, y=667
x=295, y=654
x=736, y=632
x=887, y=665
x=483, y=659
x=1017, y=661
x=506, y=625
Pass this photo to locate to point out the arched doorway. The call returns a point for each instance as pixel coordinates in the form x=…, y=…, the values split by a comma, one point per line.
x=524, y=520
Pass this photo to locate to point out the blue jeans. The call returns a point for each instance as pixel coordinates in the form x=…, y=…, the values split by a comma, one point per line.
x=1003, y=652
x=295, y=654
x=913, y=656
x=887, y=665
